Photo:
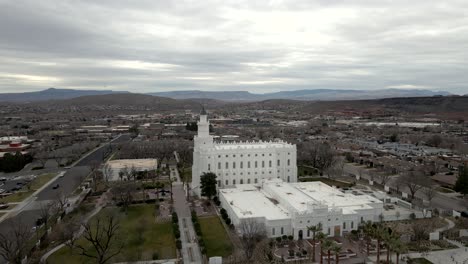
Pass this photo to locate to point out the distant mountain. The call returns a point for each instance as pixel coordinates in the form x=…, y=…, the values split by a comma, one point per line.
x=305, y=95
x=51, y=94
x=130, y=101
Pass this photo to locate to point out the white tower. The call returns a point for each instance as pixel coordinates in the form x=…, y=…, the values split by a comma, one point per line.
x=202, y=142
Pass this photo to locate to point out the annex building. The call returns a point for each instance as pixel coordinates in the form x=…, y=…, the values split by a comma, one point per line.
x=289, y=208
x=240, y=162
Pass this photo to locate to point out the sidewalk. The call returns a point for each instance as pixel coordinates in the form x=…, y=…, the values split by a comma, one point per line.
x=190, y=249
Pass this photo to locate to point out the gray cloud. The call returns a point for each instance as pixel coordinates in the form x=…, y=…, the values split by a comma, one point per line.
x=149, y=46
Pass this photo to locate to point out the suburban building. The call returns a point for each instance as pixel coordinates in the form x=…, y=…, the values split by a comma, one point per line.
x=289, y=208
x=126, y=165
x=237, y=162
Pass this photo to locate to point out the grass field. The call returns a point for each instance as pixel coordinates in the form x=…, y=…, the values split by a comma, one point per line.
x=25, y=192
x=186, y=173
x=444, y=190
x=215, y=237
x=419, y=261
x=156, y=239
x=306, y=171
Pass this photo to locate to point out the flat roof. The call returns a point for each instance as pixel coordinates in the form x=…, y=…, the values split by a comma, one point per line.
x=251, y=145
x=137, y=163
x=275, y=199
x=246, y=200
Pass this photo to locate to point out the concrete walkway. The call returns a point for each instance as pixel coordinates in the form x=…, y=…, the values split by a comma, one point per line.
x=449, y=256
x=450, y=225
x=190, y=250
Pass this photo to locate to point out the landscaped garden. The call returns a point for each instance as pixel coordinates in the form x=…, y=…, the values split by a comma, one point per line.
x=143, y=238
x=216, y=240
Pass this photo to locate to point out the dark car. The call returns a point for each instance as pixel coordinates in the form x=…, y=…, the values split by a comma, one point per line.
x=464, y=214
x=56, y=186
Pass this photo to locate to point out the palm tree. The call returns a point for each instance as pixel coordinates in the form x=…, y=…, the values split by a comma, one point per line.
x=379, y=234
x=398, y=247
x=314, y=229
x=328, y=245
x=389, y=239
x=367, y=230
x=336, y=249
x=321, y=237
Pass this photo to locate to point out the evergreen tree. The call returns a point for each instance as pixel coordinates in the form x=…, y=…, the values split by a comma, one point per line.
x=461, y=185
x=208, y=184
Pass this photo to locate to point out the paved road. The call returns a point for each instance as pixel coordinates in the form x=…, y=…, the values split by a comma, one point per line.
x=71, y=180
x=439, y=201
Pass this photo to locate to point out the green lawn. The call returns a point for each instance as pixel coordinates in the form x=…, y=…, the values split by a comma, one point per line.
x=157, y=238
x=419, y=261
x=186, y=173
x=216, y=240
x=40, y=180
x=306, y=171
x=17, y=197
x=25, y=192
x=445, y=190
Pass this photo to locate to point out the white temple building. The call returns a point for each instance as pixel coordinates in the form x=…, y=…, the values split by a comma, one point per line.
x=240, y=162
x=289, y=208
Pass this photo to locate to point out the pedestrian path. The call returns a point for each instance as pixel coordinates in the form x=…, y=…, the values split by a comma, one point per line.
x=190, y=249
x=449, y=256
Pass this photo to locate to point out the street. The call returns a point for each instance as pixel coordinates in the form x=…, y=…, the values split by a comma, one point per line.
x=67, y=184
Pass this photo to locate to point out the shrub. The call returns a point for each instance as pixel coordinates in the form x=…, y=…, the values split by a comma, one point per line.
x=284, y=237
x=175, y=218
x=228, y=221
x=290, y=237
x=177, y=233
x=178, y=244
x=278, y=239
x=155, y=255
x=223, y=211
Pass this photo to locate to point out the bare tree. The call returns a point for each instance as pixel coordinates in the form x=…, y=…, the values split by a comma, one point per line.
x=107, y=172
x=384, y=177
x=61, y=200
x=102, y=235
x=44, y=212
x=14, y=241
x=429, y=192
x=123, y=192
x=42, y=157
x=414, y=180
x=252, y=232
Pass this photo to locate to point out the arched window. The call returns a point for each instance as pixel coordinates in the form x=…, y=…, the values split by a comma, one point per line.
x=209, y=167
x=248, y=181
x=219, y=165
x=263, y=164
x=234, y=165
x=256, y=164
x=227, y=165
x=278, y=163
x=233, y=181
x=256, y=180
x=248, y=164
x=227, y=182
x=289, y=162
x=270, y=163
x=241, y=165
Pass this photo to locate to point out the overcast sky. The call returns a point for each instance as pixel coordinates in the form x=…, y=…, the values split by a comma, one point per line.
x=259, y=46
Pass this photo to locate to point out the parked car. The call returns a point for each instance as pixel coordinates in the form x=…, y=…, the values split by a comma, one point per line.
x=3, y=206
x=3, y=179
x=464, y=214
x=56, y=186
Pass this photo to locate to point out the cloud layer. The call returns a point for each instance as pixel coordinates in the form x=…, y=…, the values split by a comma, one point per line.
x=259, y=46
